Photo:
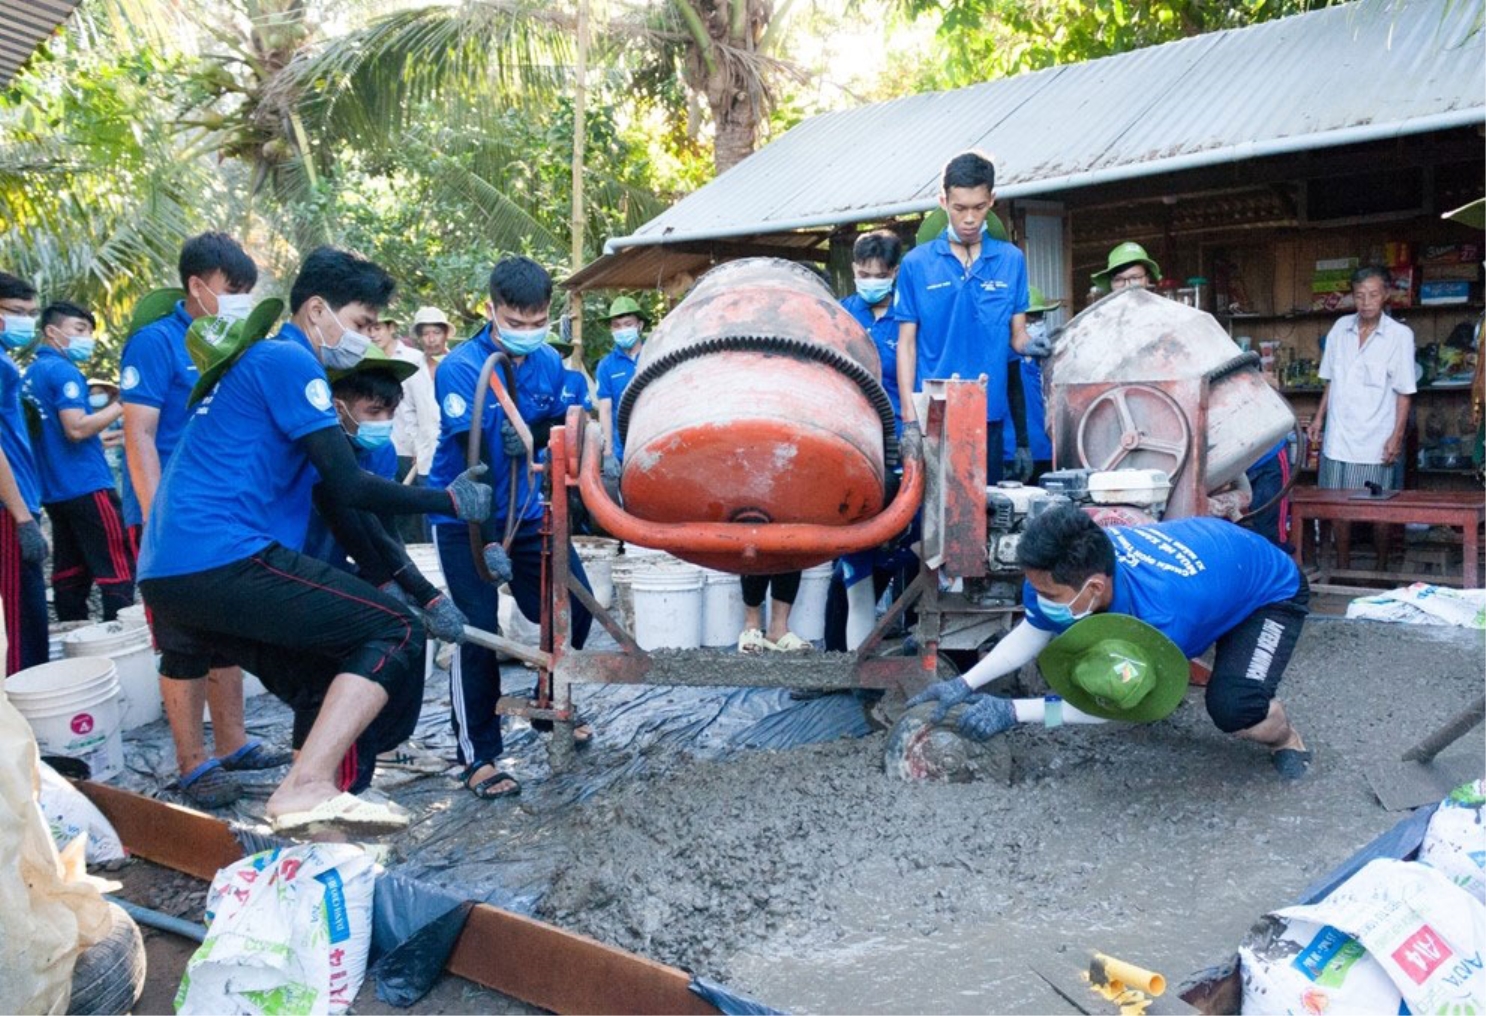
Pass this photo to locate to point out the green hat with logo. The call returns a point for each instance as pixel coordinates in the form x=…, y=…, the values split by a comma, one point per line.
x=215, y=343
x=1118, y=667
x=1040, y=304
x=937, y=221
x=1123, y=256
x=623, y=305
x=153, y=306
x=375, y=359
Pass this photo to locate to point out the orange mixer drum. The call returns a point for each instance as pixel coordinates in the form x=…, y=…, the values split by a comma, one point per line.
x=756, y=400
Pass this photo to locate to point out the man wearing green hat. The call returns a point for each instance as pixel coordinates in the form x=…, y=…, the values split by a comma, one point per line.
x=1113, y=614
x=1129, y=266
x=615, y=371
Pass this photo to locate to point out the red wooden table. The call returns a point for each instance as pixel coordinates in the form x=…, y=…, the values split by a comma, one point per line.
x=1464, y=510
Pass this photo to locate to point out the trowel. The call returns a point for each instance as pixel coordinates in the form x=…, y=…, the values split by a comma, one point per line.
x=1419, y=779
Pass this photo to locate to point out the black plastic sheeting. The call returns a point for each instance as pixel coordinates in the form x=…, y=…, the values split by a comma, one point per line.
x=462, y=850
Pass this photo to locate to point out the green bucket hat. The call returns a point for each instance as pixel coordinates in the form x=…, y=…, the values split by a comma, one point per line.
x=375, y=359
x=153, y=306
x=1040, y=304
x=1472, y=215
x=215, y=345
x=1123, y=256
x=1118, y=667
x=623, y=305
x=937, y=220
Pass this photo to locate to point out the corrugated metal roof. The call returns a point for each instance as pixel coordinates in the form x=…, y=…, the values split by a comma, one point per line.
x=23, y=26
x=1361, y=71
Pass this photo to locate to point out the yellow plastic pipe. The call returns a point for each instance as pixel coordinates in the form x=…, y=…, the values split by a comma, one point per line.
x=1120, y=975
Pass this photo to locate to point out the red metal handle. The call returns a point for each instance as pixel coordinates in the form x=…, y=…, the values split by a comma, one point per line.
x=747, y=540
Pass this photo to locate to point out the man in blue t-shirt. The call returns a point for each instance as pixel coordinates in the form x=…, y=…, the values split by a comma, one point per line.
x=519, y=306
x=23, y=549
x=155, y=380
x=1199, y=581
x=220, y=563
x=1028, y=447
x=77, y=487
x=616, y=370
x=961, y=301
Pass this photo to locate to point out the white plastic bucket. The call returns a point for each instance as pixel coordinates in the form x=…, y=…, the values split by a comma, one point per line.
x=74, y=709
x=635, y=552
x=514, y=624
x=598, y=555
x=134, y=614
x=622, y=574
x=128, y=645
x=55, y=634
x=807, y=618
x=722, y=608
x=668, y=604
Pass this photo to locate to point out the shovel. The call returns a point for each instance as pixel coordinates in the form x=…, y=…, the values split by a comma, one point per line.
x=1418, y=779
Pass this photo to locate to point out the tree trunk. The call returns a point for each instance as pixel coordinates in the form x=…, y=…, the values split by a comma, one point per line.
x=736, y=125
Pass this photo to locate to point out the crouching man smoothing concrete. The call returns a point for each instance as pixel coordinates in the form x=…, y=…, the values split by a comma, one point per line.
x=1196, y=582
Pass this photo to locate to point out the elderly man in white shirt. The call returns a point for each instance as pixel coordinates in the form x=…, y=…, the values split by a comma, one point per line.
x=1368, y=367
x=415, y=422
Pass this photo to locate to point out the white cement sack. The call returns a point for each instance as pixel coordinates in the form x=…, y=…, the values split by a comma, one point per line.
x=1422, y=603
x=289, y=931
x=1455, y=841
x=69, y=815
x=1426, y=933
x=1292, y=965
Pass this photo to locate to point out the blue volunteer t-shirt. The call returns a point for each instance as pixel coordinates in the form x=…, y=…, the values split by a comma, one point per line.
x=963, y=317
x=615, y=373
x=1039, y=445
x=15, y=437
x=66, y=468
x=156, y=371
x=575, y=392
x=1192, y=579
x=319, y=542
x=538, y=395
x=240, y=479
x=884, y=332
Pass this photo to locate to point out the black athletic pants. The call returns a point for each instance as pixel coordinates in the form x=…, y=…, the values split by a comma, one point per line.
x=1250, y=660
x=783, y=587
x=89, y=546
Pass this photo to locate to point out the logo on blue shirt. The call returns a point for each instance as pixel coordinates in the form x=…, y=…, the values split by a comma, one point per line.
x=454, y=405
x=318, y=392
x=129, y=379
x=71, y=390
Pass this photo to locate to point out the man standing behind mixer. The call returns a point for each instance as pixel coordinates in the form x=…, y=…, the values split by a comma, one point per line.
x=961, y=299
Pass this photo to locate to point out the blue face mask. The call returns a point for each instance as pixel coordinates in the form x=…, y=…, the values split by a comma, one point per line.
x=373, y=434
x=1062, y=613
x=521, y=343
x=18, y=331
x=874, y=291
x=625, y=338
x=80, y=350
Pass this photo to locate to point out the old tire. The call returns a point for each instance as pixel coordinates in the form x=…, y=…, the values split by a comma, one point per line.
x=109, y=976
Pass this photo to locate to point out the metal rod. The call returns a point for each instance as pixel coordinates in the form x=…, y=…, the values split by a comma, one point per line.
x=524, y=653
x=1460, y=724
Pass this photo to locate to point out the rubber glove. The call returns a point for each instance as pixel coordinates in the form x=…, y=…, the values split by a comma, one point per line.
x=510, y=441
x=987, y=716
x=1041, y=346
x=33, y=544
x=1022, y=464
x=443, y=620
x=498, y=563
x=471, y=497
x=947, y=693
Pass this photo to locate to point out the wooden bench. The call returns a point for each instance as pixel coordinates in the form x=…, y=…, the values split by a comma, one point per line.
x=1463, y=510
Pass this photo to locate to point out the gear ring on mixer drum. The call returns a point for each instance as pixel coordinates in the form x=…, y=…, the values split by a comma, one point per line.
x=1134, y=427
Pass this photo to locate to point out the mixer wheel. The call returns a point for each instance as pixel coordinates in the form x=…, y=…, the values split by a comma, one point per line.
x=1145, y=419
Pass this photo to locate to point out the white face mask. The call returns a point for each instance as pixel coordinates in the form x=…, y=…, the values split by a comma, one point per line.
x=349, y=349
x=234, y=306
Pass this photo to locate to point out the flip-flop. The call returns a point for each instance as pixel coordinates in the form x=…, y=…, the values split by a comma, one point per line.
x=752, y=642
x=1291, y=763
x=255, y=755
x=482, y=789
x=346, y=811
x=208, y=785
x=412, y=758
x=789, y=642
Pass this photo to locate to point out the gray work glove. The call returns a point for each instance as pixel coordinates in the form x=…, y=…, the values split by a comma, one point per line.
x=443, y=620
x=1021, y=465
x=33, y=544
x=987, y=716
x=611, y=468
x=510, y=441
x=471, y=497
x=947, y=693
x=498, y=563
x=1041, y=346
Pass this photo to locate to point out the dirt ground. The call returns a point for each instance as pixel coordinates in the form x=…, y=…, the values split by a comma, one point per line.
x=811, y=880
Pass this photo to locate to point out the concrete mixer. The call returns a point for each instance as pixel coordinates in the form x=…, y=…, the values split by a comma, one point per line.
x=759, y=440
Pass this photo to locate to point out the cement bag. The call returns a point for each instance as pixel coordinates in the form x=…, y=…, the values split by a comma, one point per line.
x=69, y=814
x=288, y=933
x=1427, y=933
x=1293, y=965
x=52, y=909
x=1455, y=842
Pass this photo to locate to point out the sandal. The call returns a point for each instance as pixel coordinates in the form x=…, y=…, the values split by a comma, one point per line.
x=482, y=789
x=752, y=642
x=1292, y=763
x=208, y=785
x=413, y=758
x=255, y=755
x=789, y=642
x=347, y=812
